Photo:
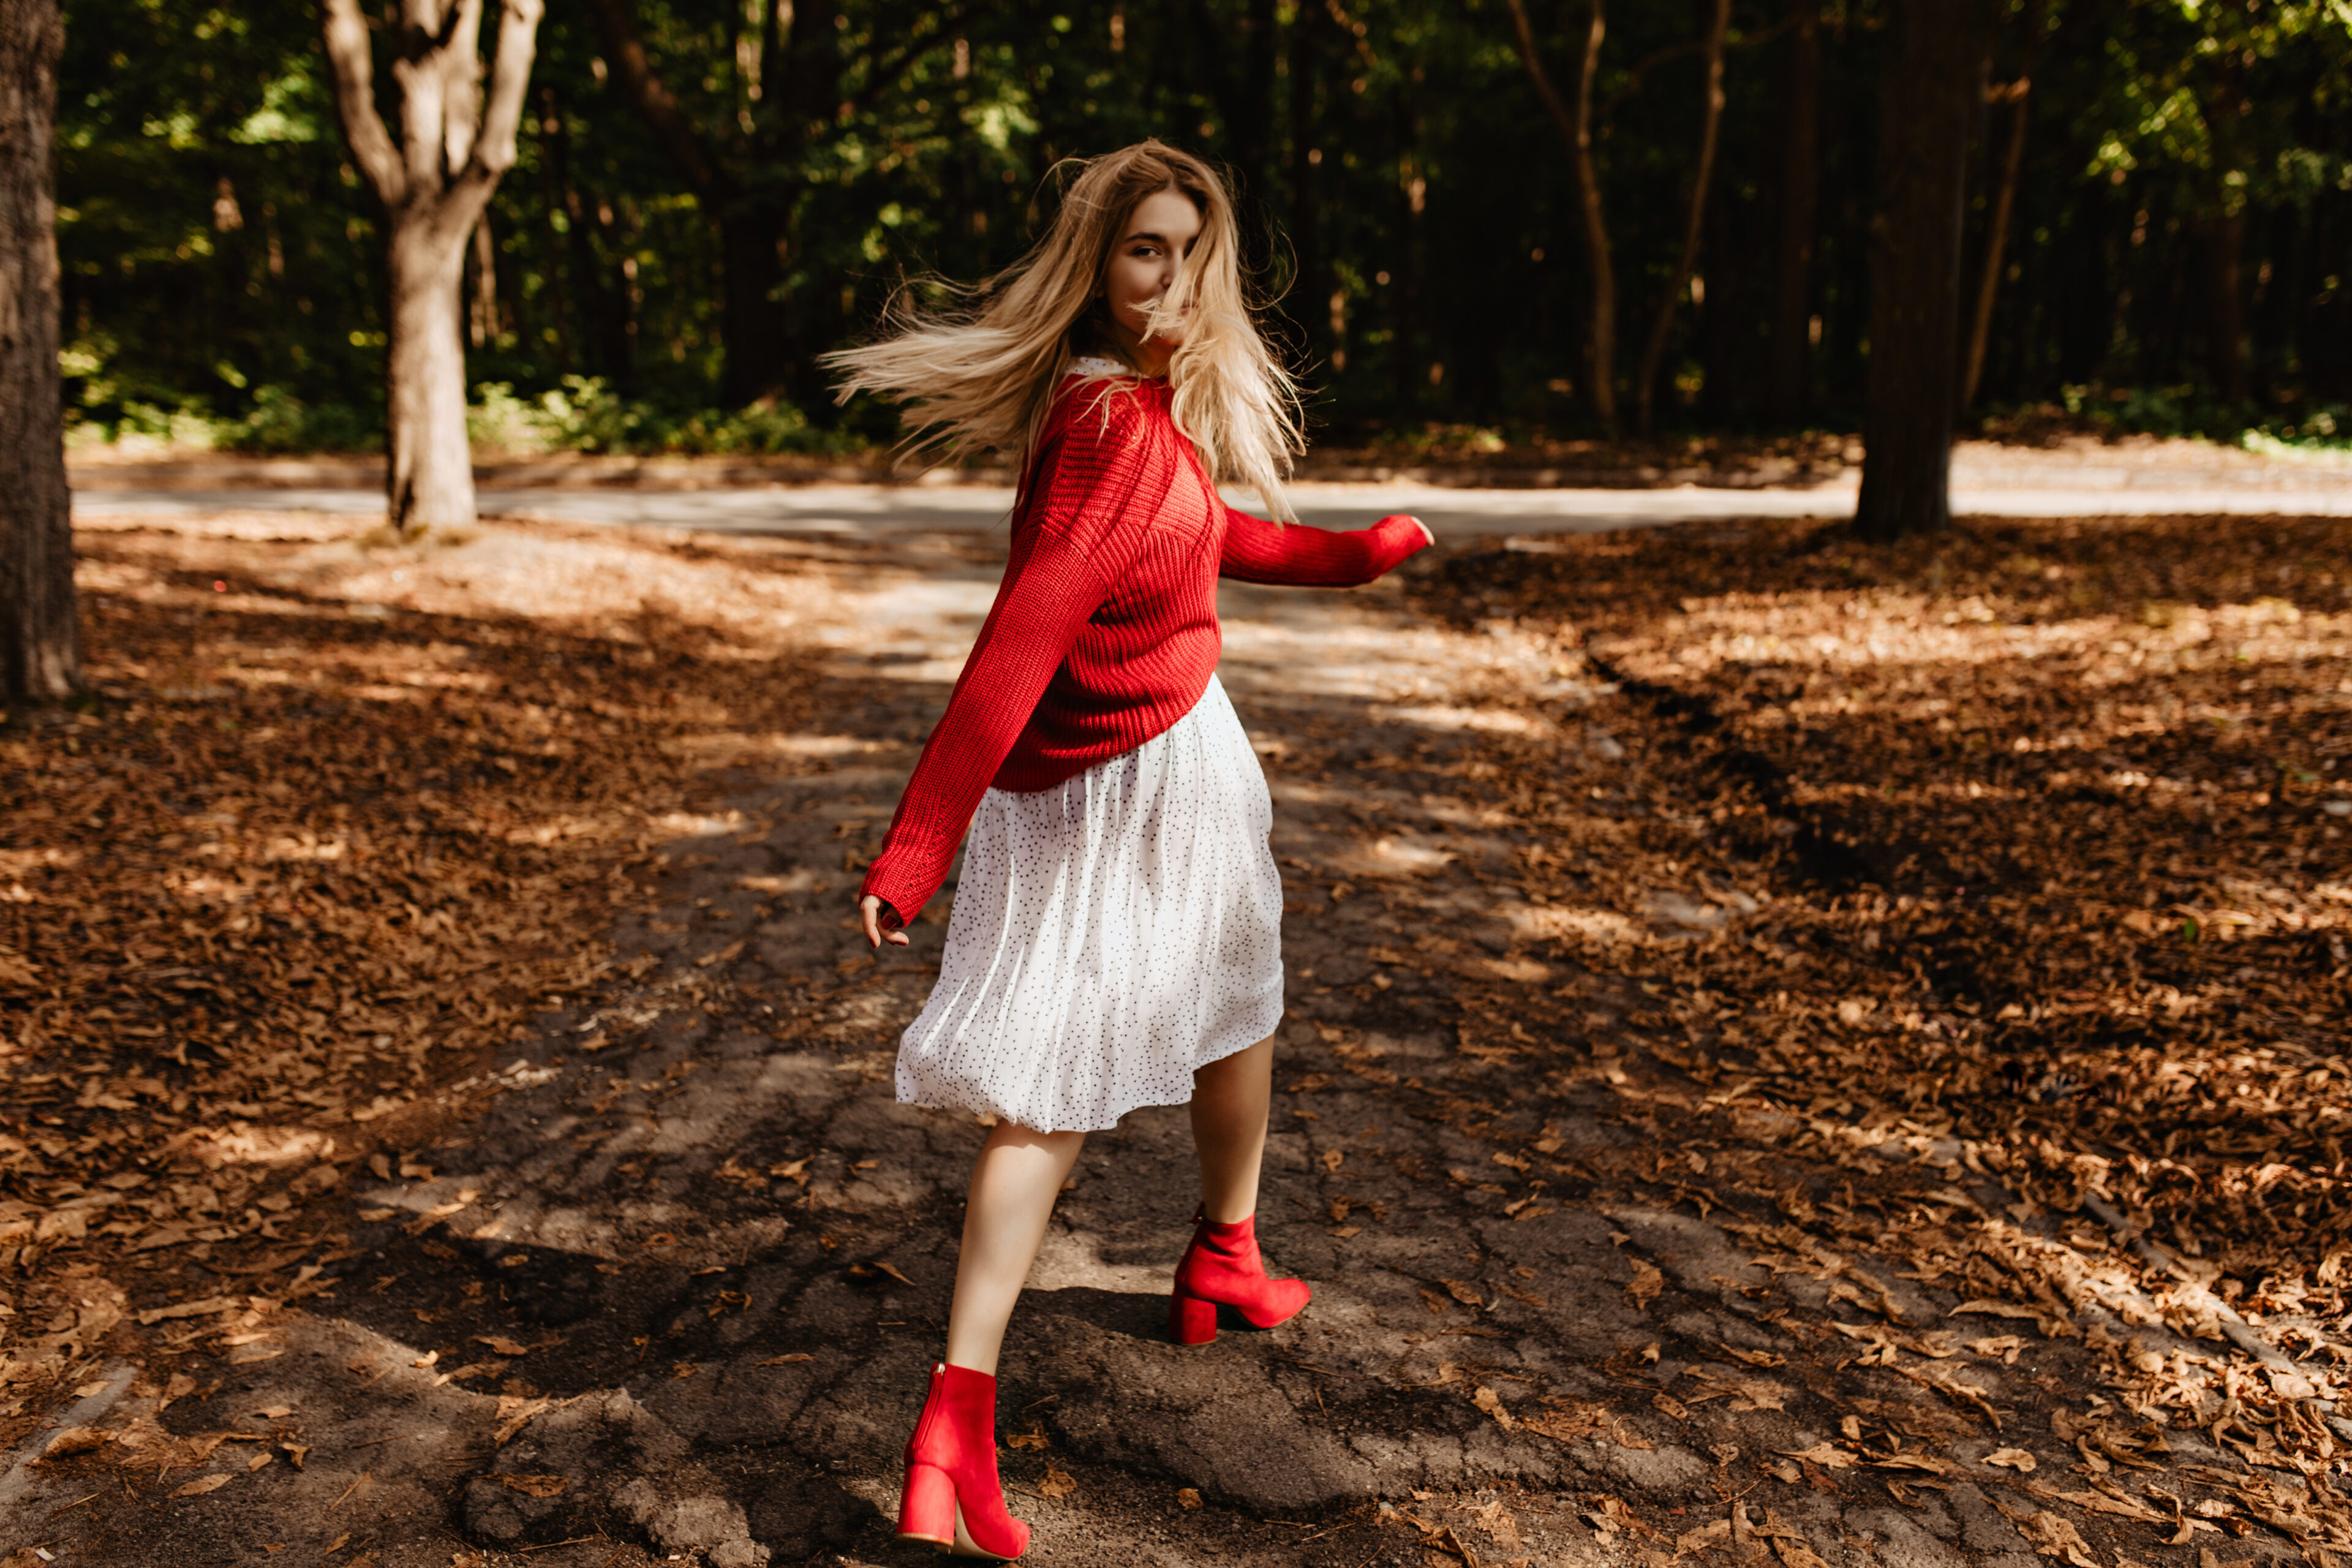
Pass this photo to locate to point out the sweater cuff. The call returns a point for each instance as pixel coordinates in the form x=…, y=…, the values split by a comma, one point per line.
x=1401, y=539
x=901, y=886
x=1410, y=537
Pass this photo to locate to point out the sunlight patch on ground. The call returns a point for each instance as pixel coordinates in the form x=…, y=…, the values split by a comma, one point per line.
x=1549, y=923
x=1493, y=720
x=1394, y=854
x=1071, y=1259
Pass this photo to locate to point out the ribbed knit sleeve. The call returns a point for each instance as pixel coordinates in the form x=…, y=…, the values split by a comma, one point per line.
x=1068, y=549
x=1256, y=550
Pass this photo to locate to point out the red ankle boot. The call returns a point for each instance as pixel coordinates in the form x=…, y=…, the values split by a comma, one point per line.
x=1222, y=1268
x=953, y=1498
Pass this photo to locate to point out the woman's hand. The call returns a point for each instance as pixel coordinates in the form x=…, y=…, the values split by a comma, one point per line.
x=869, y=911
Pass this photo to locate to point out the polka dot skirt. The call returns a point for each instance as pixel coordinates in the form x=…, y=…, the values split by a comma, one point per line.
x=1109, y=935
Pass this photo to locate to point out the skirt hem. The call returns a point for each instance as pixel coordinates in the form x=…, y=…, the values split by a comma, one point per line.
x=1109, y=937
x=1216, y=1054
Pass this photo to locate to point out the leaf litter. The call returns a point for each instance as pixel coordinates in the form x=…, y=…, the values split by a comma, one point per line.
x=1890, y=994
x=1990, y=888
x=339, y=822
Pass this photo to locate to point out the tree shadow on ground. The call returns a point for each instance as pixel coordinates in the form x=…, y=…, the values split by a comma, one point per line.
x=1598, y=1131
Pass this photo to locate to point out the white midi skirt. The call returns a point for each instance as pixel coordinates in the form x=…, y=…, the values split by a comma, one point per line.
x=1109, y=936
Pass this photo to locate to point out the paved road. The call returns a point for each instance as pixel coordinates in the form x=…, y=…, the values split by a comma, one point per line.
x=879, y=511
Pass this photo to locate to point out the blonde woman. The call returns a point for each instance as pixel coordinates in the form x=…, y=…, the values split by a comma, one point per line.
x=1116, y=936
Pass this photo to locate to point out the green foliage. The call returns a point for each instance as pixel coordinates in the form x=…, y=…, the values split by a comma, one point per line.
x=1413, y=213
x=584, y=414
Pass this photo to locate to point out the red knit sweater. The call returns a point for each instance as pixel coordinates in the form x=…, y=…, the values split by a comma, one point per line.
x=1105, y=632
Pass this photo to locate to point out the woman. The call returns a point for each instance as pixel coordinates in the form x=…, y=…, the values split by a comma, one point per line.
x=1115, y=940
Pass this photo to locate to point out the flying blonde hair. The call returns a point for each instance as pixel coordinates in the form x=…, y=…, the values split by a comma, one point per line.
x=980, y=374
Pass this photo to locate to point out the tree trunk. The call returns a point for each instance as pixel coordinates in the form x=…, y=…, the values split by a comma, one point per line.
x=483, y=325
x=1309, y=288
x=2222, y=232
x=1996, y=241
x=2224, y=235
x=752, y=325
x=1653, y=352
x=1729, y=306
x=1931, y=82
x=40, y=640
x=1576, y=129
x=1602, y=370
x=432, y=483
x=752, y=333
x=554, y=186
x=1254, y=130
x=1800, y=188
x=434, y=183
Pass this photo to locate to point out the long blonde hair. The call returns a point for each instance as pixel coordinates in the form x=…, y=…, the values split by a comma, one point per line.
x=981, y=372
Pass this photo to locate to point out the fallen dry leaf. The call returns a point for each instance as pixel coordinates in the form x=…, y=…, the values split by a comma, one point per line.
x=74, y=1440
x=1795, y=1554
x=1828, y=1456
x=203, y=1309
x=1648, y=1282
x=1487, y=1400
x=2053, y=1536
x=2104, y=1503
x=530, y=1485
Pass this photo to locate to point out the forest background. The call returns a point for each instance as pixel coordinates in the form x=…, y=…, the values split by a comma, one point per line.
x=709, y=192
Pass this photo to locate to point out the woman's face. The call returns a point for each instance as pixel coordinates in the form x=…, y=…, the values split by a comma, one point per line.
x=1152, y=246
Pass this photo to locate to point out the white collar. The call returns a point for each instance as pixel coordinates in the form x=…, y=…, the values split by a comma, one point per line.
x=1094, y=364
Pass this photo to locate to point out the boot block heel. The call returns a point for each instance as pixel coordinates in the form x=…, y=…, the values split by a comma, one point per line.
x=927, y=1511
x=1191, y=1321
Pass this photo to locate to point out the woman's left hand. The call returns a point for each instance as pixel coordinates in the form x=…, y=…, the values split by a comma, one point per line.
x=869, y=913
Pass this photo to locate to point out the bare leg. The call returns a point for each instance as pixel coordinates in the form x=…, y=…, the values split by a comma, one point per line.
x=1230, y=1097
x=1014, y=1184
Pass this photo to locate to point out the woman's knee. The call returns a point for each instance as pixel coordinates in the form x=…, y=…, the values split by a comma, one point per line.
x=1250, y=1063
x=1013, y=1135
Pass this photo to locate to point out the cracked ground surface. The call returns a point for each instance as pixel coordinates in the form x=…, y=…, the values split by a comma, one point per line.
x=670, y=1293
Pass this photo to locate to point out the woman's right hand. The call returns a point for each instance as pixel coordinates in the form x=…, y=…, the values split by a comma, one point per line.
x=869, y=913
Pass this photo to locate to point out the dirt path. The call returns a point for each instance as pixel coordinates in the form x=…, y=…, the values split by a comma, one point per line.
x=2138, y=478
x=673, y=1293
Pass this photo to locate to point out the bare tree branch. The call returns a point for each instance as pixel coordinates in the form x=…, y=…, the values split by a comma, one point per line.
x=494, y=149
x=709, y=181
x=1576, y=129
x=1996, y=237
x=1356, y=31
x=461, y=90
x=1653, y=352
x=2017, y=94
x=419, y=52
x=1541, y=78
x=1596, y=228
x=1651, y=61
x=881, y=74
x=354, y=64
